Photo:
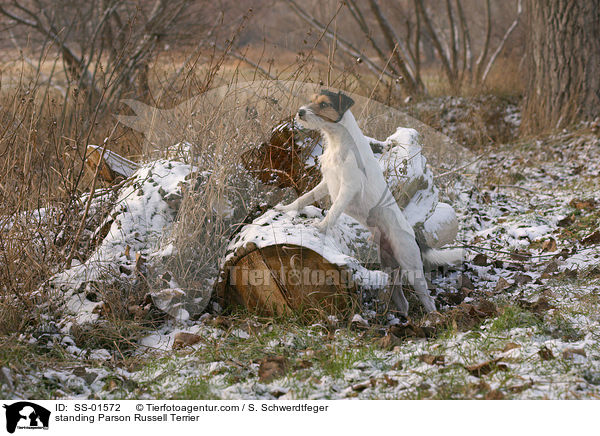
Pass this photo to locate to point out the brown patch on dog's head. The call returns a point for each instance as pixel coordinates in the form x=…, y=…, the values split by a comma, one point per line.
x=330, y=106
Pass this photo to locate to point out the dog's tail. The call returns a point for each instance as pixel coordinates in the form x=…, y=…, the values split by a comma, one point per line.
x=443, y=257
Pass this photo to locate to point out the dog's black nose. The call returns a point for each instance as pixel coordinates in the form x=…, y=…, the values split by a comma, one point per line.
x=301, y=113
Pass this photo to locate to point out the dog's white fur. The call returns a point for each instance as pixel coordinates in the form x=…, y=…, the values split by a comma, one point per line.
x=353, y=179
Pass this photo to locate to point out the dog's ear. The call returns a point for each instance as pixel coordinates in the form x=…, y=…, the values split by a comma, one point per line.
x=345, y=103
x=340, y=102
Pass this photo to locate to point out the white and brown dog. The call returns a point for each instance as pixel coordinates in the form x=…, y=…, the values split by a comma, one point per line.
x=354, y=180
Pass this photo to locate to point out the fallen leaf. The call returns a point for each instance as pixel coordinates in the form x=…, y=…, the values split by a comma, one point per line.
x=390, y=341
x=303, y=364
x=483, y=368
x=139, y=261
x=549, y=245
x=482, y=386
x=278, y=392
x=550, y=268
x=570, y=353
x=501, y=285
x=545, y=353
x=465, y=282
x=539, y=306
x=565, y=253
x=592, y=239
x=510, y=346
x=454, y=298
x=520, y=255
x=111, y=385
x=487, y=307
x=390, y=381
x=272, y=367
x=515, y=266
x=566, y=221
x=468, y=315
x=520, y=388
x=494, y=394
x=359, y=387
x=580, y=204
x=430, y=359
x=425, y=386
x=480, y=260
x=221, y=322
x=522, y=279
x=408, y=330
x=184, y=339
x=475, y=312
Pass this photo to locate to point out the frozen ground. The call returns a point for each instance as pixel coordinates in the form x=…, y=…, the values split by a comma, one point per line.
x=519, y=319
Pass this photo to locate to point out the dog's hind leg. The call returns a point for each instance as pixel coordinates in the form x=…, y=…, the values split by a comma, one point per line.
x=388, y=262
x=406, y=252
x=398, y=295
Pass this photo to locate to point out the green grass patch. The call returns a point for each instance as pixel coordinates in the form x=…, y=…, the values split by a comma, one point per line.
x=514, y=317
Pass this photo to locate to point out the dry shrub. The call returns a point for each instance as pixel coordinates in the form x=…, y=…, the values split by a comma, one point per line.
x=42, y=151
x=41, y=177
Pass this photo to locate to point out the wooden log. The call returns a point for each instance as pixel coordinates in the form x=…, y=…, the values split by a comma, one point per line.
x=280, y=264
x=281, y=279
x=288, y=159
x=113, y=166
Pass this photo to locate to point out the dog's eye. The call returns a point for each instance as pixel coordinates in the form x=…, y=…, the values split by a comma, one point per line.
x=323, y=104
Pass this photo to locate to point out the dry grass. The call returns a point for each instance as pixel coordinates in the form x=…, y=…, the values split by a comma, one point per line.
x=505, y=80
x=48, y=126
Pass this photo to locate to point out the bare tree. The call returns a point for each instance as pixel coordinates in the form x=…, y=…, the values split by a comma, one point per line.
x=106, y=45
x=398, y=56
x=563, y=51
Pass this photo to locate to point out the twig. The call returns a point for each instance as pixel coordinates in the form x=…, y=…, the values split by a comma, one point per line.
x=502, y=42
x=524, y=189
x=478, y=158
x=345, y=45
x=488, y=32
x=245, y=59
x=87, y=209
x=477, y=247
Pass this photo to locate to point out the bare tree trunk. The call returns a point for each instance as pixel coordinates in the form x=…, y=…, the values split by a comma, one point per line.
x=563, y=55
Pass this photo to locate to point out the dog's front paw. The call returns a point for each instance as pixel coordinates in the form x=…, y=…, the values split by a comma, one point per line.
x=322, y=226
x=285, y=208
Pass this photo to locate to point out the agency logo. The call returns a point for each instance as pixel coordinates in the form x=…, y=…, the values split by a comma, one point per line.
x=26, y=415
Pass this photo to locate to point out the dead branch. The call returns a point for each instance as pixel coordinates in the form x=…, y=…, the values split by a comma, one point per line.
x=344, y=45
x=360, y=20
x=488, y=32
x=402, y=55
x=435, y=38
x=507, y=34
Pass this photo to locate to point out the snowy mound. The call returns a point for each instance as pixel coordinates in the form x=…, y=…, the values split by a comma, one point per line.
x=343, y=245
x=412, y=183
x=409, y=178
x=143, y=212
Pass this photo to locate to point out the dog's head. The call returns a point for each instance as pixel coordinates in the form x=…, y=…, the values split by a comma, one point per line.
x=324, y=108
